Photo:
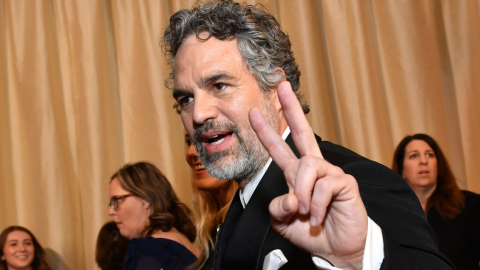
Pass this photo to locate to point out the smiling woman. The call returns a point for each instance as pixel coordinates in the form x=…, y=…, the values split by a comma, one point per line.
x=453, y=214
x=21, y=250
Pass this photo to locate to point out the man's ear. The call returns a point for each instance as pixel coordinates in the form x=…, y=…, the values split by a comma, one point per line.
x=276, y=101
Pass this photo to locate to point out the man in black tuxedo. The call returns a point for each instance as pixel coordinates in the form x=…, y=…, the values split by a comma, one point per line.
x=303, y=203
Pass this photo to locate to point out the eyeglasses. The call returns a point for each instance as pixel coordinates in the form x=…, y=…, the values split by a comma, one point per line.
x=114, y=201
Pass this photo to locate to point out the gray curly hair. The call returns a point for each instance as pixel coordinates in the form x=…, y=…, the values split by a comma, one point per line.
x=261, y=42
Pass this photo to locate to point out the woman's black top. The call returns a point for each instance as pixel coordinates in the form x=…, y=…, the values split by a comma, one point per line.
x=459, y=238
x=150, y=253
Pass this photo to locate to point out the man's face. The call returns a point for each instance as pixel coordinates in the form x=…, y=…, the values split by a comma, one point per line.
x=216, y=91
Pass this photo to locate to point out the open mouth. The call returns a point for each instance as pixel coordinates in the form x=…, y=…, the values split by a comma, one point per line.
x=199, y=167
x=218, y=138
x=216, y=141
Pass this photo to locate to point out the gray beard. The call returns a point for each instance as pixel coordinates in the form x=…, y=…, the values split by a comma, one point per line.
x=243, y=160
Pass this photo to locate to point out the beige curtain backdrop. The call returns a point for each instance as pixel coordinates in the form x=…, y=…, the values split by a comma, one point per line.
x=82, y=92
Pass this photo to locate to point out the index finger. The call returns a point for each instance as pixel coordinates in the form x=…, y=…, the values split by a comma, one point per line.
x=271, y=140
x=302, y=133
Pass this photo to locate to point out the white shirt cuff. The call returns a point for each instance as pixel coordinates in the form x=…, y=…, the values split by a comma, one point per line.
x=372, y=256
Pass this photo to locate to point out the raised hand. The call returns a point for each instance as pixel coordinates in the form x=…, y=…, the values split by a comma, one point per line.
x=323, y=212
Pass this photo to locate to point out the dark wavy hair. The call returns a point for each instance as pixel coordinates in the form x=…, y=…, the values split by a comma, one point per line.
x=261, y=42
x=144, y=180
x=38, y=263
x=447, y=198
x=111, y=250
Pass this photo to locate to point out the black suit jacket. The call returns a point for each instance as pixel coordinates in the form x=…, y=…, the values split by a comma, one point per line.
x=409, y=242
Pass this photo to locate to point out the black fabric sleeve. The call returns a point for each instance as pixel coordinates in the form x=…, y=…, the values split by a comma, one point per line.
x=409, y=241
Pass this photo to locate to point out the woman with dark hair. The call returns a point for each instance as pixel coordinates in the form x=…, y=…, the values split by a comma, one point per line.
x=21, y=250
x=212, y=198
x=454, y=214
x=111, y=251
x=147, y=211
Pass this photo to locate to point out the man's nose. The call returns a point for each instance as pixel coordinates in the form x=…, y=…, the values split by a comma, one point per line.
x=204, y=108
x=21, y=246
x=423, y=159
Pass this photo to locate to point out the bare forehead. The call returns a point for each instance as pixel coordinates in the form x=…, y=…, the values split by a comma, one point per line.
x=116, y=188
x=18, y=235
x=418, y=145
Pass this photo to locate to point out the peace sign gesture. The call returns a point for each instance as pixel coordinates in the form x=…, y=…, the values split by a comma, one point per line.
x=323, y=212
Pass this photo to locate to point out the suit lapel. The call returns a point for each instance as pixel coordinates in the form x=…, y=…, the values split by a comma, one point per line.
x=227, y=228
x=245, y=243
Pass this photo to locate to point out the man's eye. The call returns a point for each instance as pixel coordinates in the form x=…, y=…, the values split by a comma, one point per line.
x=413, y=156
x=219, y=86
x=430, y=155
x=185, y=100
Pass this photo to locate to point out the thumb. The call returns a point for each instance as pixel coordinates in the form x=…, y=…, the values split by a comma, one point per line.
x=282, y=209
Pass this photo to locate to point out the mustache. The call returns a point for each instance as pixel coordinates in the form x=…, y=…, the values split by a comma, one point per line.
x=211, y=125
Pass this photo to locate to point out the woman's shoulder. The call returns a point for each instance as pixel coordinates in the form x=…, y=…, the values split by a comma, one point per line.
x=472, y=203
x=168, y=253
x=471, y=197
x=154, y=244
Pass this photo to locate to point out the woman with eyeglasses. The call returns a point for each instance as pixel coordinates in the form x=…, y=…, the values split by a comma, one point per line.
x=147, y=211
x=453, y=214
x=212, y=198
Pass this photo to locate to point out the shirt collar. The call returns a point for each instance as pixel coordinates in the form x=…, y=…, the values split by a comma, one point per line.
x=247, y=192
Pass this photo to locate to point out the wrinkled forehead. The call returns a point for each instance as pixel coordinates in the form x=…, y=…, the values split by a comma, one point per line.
x=196, y=59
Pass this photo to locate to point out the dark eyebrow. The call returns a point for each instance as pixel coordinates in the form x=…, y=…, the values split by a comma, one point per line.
x=215, y=77
x=180, y=92
x=204, y=81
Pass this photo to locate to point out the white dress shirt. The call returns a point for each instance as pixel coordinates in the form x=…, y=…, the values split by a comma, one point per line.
x=373, y=254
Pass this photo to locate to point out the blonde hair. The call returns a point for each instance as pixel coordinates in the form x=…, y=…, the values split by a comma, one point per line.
x=208, y=213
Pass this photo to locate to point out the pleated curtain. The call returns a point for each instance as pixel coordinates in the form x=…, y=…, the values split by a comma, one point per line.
x=82, y=93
